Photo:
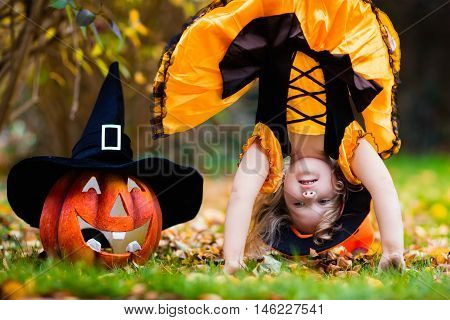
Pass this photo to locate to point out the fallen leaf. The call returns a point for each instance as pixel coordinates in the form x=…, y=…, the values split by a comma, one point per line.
x=374, y=282
x=138, y=289
x=209, y=296
x=313, y=253
x=13, y=290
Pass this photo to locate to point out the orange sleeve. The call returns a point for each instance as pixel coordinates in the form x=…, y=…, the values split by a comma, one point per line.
x=349, y=142
x=270, y=146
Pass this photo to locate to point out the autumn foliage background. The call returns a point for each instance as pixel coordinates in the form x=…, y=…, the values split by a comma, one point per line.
x=52, y=62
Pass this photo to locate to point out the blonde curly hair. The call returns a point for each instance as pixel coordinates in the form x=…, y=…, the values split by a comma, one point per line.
x=270, y=214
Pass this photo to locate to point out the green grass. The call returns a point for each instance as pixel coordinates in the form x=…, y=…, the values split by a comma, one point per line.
x=423, y=184
x=47, y=278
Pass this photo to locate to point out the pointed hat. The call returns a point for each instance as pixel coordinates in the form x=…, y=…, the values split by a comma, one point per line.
x=104, y=146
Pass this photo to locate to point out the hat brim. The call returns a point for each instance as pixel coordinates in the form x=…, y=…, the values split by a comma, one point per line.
x=179, y=189
x=356, y=209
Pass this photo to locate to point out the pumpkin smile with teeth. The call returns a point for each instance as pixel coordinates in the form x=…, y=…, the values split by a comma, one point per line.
x=112, y=241
x=104, y=216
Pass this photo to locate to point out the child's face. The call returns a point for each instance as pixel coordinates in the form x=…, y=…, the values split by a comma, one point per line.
x=308, y=190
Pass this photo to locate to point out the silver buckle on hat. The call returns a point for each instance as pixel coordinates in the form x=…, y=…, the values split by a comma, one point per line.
x=119, y=136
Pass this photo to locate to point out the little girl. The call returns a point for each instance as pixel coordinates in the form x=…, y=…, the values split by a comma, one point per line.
x=319, y=63
x=310, y=198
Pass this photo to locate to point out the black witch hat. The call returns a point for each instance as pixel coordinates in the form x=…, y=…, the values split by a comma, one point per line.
x=104, y=146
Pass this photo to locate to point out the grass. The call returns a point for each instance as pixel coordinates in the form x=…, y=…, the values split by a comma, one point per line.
x=195, y=272
x=158, y=280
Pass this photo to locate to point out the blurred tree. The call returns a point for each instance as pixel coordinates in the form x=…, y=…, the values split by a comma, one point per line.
x=51, y=52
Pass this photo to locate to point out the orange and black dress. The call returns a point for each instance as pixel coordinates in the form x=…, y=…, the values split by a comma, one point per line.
x=317, y=62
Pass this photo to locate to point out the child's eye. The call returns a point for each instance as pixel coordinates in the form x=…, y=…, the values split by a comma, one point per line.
x=299, y=204
x=324, y=201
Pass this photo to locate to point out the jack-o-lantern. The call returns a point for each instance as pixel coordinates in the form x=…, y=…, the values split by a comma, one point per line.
x=101, y=215
x=100, y=205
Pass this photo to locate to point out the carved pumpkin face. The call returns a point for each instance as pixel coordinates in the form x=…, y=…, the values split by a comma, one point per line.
x=102, y=216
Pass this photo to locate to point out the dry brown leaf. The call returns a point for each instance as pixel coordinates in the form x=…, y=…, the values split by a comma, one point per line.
x=151, y=295
x=138, y=290
x=357, y=268
x=63, y=295
x=292, y=266
x=313, y=253
x=333, y=269
x=344, y=263
x=209, y=296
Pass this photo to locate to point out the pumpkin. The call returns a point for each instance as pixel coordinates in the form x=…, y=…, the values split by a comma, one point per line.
x=101, y=216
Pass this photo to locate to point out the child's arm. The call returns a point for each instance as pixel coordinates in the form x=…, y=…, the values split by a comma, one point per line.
x=248, y=181
x=371, y=170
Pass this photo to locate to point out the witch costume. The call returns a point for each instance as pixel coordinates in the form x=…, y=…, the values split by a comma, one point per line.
x=315, y=61
x=104, y=146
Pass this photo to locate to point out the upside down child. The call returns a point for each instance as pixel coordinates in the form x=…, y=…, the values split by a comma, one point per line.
x=309, y=172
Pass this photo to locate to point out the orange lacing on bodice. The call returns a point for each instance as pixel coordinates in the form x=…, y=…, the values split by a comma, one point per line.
x=306, y=100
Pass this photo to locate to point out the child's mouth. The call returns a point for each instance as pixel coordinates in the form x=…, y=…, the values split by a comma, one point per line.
x=307, y=182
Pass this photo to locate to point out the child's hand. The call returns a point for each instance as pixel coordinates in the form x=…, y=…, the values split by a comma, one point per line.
x=391, y=261
x=231, y=267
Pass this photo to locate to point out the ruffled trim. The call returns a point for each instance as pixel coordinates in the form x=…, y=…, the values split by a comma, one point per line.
x=157, y=107
x=269, y=144
x=349, y=143
x=387, y=31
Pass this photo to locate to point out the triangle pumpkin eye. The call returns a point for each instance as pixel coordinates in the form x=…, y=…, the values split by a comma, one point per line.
x=132, y=185
x=92, y=184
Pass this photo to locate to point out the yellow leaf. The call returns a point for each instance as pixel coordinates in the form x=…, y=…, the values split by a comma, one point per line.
x=5, y=21
x=136, y=24
x=66, y=62
x=139, y=78
x=78, y=55
x=439, y=211
x=132, y=35
x=140, y=28
x=86, y=67
x=440, y=254
x=234, y=279
x=375, y=248
x=14, y=290
x=96, y=51
x=134, y=16
x=60, y=80
x=374, y=282
x=50, y=33
x=102, y=66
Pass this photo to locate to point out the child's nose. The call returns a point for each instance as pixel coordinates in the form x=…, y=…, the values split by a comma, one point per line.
x=309, y=194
